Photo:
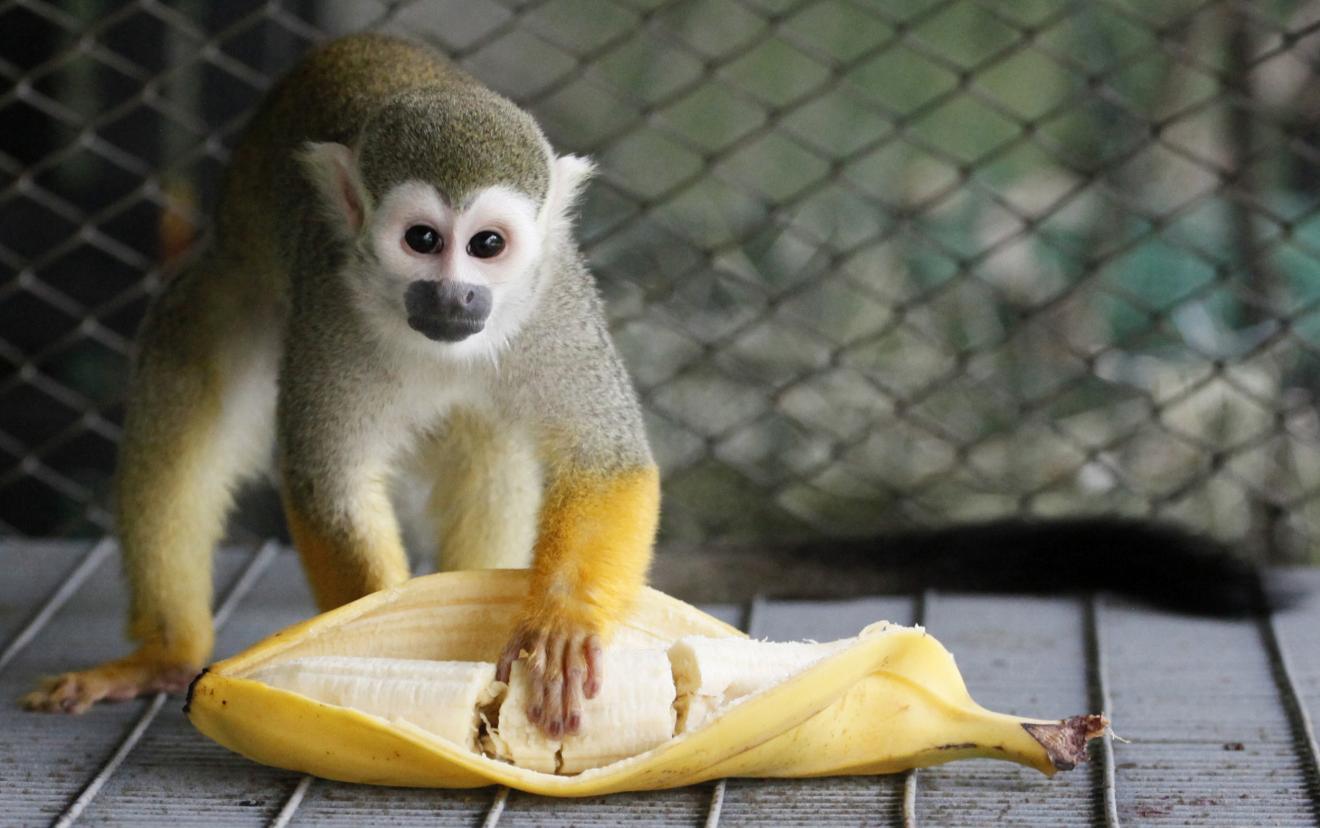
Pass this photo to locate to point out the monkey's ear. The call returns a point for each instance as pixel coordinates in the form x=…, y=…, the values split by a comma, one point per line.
x=334, y=174
x=569, y=174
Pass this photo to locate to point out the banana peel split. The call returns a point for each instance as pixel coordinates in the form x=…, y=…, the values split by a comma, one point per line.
x=891, y=701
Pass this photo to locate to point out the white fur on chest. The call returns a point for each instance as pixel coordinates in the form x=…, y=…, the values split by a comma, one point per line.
x=429, y=389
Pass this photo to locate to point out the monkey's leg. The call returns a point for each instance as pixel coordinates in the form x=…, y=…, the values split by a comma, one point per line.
x=199, y=418
x=486, y=496
x=592, y=553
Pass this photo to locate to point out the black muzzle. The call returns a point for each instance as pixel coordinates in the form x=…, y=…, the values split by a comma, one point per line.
x=447, y=311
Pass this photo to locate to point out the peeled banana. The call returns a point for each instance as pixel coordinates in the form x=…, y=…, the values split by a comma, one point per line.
x=446, y=698
x=398, y=689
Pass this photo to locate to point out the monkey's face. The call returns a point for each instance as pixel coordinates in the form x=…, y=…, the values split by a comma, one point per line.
x=458, y=275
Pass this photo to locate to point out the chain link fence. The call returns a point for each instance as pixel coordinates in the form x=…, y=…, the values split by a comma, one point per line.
x=872, y=263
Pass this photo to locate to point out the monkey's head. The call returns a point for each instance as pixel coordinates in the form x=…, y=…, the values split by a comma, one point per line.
x=449, y=205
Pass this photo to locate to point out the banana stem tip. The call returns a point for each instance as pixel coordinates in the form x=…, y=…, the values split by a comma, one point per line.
x=1065, y=741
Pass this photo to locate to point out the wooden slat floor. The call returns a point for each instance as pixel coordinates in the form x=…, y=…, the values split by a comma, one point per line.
x=1215, y=717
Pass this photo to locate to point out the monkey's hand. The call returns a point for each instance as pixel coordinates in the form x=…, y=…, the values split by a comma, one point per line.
x=564, y=666
x=590, y=562
x=143, y=672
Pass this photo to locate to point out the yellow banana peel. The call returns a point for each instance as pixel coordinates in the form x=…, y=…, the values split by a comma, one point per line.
x=893, y=700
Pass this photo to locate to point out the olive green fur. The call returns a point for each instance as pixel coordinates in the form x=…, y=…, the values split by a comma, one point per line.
x=469, y=140
x=409, y=113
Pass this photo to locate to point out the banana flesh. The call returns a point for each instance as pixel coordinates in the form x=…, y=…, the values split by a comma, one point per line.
x=444, y=697
x=712, y=672
x=887, y=700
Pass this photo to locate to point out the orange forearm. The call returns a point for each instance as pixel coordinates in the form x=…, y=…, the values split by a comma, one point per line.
x=594, y=547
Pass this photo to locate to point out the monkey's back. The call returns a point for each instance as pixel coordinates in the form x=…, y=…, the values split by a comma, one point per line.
x=328, y=96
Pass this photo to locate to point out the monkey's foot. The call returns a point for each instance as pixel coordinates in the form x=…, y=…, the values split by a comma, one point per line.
x=564, y=667
x=138, y=674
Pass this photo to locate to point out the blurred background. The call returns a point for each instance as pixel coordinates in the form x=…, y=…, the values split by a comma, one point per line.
x=872, y=263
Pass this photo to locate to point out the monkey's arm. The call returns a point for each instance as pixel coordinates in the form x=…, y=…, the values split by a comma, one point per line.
x=337, y=434
x=592, y=553
x=594, y=543
x=600, y=508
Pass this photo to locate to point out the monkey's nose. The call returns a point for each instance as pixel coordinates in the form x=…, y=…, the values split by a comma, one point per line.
x=447, y=311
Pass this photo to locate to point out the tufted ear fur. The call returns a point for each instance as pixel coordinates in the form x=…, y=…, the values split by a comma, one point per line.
x=569, y=175
x=333, y=172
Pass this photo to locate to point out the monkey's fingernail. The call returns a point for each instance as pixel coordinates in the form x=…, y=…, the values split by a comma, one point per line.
x=534, y=713
x=554, y=728
x=574, y=722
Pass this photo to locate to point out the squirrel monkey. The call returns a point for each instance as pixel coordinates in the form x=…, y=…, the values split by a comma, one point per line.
x=393, y=286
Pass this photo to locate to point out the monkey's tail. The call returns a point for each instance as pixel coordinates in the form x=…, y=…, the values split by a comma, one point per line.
x=1155, y=562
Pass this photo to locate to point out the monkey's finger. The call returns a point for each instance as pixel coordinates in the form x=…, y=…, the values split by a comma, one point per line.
x=554, y=656
x=507, y=657
x=536, y=703
x=575, y=675
x=595, y=668
x=536, y=653
x=540, y=706
x=511, y=652
x=552, y=717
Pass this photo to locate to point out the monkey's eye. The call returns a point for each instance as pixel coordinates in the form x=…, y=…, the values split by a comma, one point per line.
x=486, y=244
x=423, y=239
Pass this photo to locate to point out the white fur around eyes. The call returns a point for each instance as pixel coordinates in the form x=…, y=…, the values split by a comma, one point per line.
x=513, y=216
x=402, y=207
x=508, y=275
